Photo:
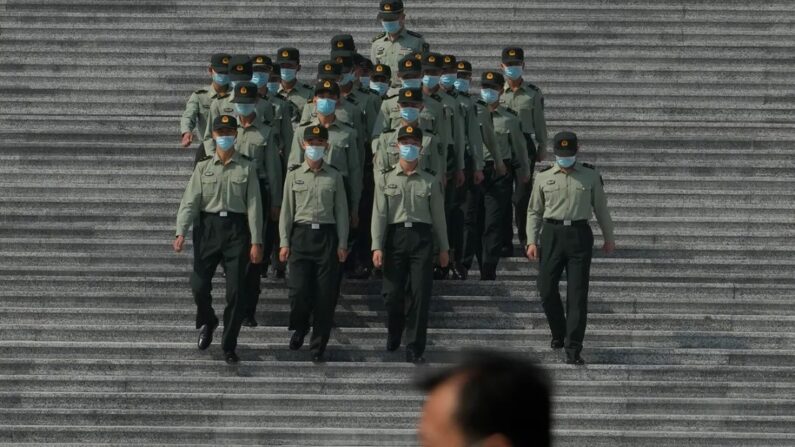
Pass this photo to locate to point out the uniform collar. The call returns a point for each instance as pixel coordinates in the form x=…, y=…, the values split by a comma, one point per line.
x=306, y=168
x=255, y=124
x=521, y=87
x=235, y=158
x=215, y=94
x=399, y=170
x=556, y=167
x=400, y=35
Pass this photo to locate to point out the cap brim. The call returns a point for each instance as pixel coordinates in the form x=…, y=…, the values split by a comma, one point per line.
x=493, y=85
x=511, y=60
x=328, y=77
x=389, y=16
x=224, y=126
x=243, y=100
x=238, y=77
x=567, y=152
x=220, y=69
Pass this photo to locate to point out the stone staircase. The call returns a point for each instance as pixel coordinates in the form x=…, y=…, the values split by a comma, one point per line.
x=688, y=108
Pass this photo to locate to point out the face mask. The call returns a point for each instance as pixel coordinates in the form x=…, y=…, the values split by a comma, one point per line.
x=565, y=162
x=288, y=74
x=232, y=85
x=410, y=114
x=273, y=88
x=260, y=79
x=391, y=27
x=326, y=106
x=221, y=79
x=448, y=80
x=314, y=153
x=462, y=85
x=412, y=83
x=513, y=72
x=409, y=152
x=365, y=81
x=244, y=109
x=430, y=81
x=225, y=143
x=347, y=78
x=490, y=96
x=379, y=87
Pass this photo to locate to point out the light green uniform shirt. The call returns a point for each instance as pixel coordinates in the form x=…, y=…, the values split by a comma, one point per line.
x=196, y=110
x=215, y=187
x=314, y=198
x=257, y=143
x=474, y=137
x=509, y=134
x=386, y=153
x=347, y=111
x=401, y=197
x=282, y=120
x=298, y=95
x=384, y=50
x=455, y=116
x=528, y=102
x=223, y=105
x=573, y=196
x=492, y=149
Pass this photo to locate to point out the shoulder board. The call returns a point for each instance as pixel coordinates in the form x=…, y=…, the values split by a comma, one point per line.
x=511, y=111
x=430, y=171
x=429, y=130
x=413, y=33
x=305, y=123
x=389, y=131
x=482, y=102
x=332, y=166
x=280, y=96
x=589, y=166
x=205, y=158
x=293, y=167
x=533, y=86
x=307, y=86
x=546, y=169
x=201, y=91
x=223, y=95
x=387, y=170
x=245, y=157
x=380, y=36
x=436, y=97
x=464, y=94
x=351, y=99
x=390, y=96
x=343, y=122
x=310, y=100
x=452, y=93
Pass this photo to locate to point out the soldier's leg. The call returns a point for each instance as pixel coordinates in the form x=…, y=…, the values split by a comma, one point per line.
x=495, y=201
x=396, y=269
x=236, y=249
x=360, y=259
x=420, y=263
x=521, y=199
x=579, y=248
x=506, y=218
x=206, y=257
x=550, y=269
x=301, y=281
x=472, y=231
x=326, y=275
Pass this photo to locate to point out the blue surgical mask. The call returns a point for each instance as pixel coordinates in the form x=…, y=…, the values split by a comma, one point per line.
x=365, y=81
x=391, y=27
x=244, y=109
x=448, y=80
x=410, y=114
x=565, y=162
x=513, y=72
x=314, y=153
x=288, y=74
x=430, y=81
x=409, y=152
x=412, y=83
x=225, y=143
x=326, y=106
x=462, y=85
x=347, y=78
x=260, y=78
x=379, y=87
x=221, y=79
x=273, y=87
x=489, y=96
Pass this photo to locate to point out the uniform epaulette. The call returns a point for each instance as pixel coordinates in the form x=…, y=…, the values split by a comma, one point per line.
x=343, y=122
x=279, y=95
x=245, y=157
x=533, y=86
x=205, y=158
x=260, y=96
x=305, y=123
x=310, y=100
x=201, y=91
x=430, y=171
x=389, y=131
x=546, y=169
x=464, y=94
x=482, y=103
x=351, y=100
x=452, y=93
x=511, y=111
x=390, y=96
x=307, y=86
x=332, y=166
x=387, y=170
x=436, y=97
x=223, y=95
x=293, y=167
x=380, y=36
x=413, y=33
x=589, y=166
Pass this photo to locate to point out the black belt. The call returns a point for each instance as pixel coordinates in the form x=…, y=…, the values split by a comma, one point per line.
x=567, y=223
x=410, y=225
x=316, y=226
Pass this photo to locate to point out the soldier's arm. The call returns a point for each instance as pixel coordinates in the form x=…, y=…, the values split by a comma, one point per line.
x=535, y=213
x=273, y=166
x=489, y=138
x=286, y=125
x=519, y=148
x=294, y=157
x=602, y=213
x=211, y=114
x=287, y=215
x=378, y=222
x=190, y=205
x=254, y=207
x=341, y=214
x=379, y=158
x=437, y=214
x=355, y=168
x=438, y=158
x=190, y=116
x=459, y=126
x=474, y=138
x=381, y=121
x=540, y=125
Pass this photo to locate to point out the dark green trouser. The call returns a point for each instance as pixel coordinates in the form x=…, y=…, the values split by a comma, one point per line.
x=224, y=239
x=570, y=248
x=483, y=230
x=408, y=257
x=314, y=274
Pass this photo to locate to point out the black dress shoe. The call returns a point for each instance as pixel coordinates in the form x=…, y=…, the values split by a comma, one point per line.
x=460, y=272
x=206, y=335
x=250, y=322
x=297, y=340
x=392, y=343
x=506, y=252
x=557, y=343
x=318, y=357
x=378, y=274
x=280, y=274
x=574, y=359
x=413, y=357
x=231, y=358
x=439, y=273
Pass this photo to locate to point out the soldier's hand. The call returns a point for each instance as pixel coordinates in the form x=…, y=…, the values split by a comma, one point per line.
x=342, y=254
x=444, y=258
x=355, y=220
x=378, y=259
x=460, y=178
x=275, y=214
x=256, y=253
x=500, y=168
x=179, y=243
x=187, y=139
x=477, y=177
x=609, y=247
x=532, y=252
x=284, y=253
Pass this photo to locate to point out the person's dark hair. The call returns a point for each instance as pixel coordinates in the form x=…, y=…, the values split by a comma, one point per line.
x=500, y=394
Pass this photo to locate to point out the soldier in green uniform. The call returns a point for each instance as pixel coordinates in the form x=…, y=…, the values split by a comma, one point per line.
x=407, y=215
x=255, y=140
x=396, y=42
x=564, y=197
x=314, y=229
x=224, y=194
x=381, y=80
x=298, y=93
x=528, y=102
x=194, y=118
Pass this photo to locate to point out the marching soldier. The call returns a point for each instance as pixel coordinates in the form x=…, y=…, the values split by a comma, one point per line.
x=528, y=102
x=381, y=80
x=224, y=194
x=314, y=236
x=564, y=197
x=194, y=118
x=396, y=42
x=289, y=60
x=408, y=213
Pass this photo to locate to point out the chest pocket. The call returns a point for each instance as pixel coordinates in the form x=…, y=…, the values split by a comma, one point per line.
x=237, y=186
x=551, y=194
x=209, y=184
